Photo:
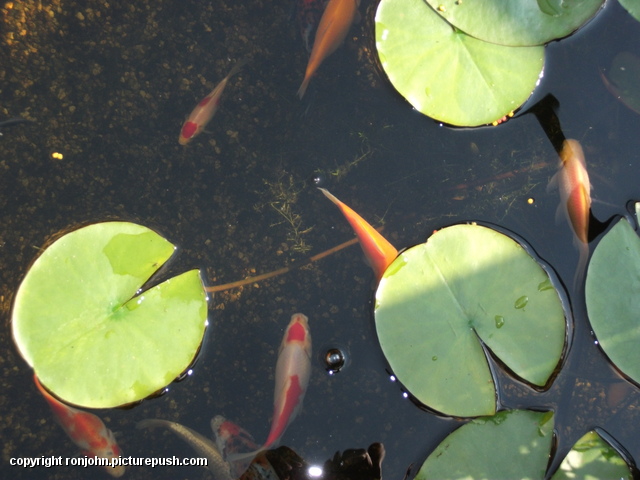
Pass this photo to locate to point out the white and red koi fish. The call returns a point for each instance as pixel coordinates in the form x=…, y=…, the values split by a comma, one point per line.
x=292, y=377
x=206, y=108
x=334, y=26
x=573, y=183
x=379, y=252
x=85, y=430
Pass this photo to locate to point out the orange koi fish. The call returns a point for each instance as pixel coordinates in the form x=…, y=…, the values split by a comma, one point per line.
x=85, y=430
x=292, y=377
x=334, y=26
x=573, y=183
x=206, y=109
x=377, y=249
x=233, y=439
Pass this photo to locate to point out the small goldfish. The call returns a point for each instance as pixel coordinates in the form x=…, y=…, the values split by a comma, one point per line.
x=206, y=108
x=334, y=26
x=573, y=183
x=293, y=369
x=85, y=430
x=379, y=252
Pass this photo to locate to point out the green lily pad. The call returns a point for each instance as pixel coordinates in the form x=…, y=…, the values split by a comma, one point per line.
x=91, y=336
x=594, y=459
x=517, y=22
x=448, y=75
x=633, y=7
x=439, y=302
x=623, y=80
x=613, y=303
x=511, y=444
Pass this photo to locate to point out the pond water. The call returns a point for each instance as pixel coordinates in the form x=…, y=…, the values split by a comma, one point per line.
x=108, y=85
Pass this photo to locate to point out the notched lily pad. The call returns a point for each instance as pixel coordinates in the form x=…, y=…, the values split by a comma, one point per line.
x=92, y=338
x=517, y=444
x=517, y=22
x=511, y=444
x=592, y=457
x=613, y=303
x=445, y=73
x=633, y=7
x=439, y=302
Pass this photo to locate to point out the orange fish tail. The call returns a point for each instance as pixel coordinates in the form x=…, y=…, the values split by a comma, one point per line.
x=377, y=249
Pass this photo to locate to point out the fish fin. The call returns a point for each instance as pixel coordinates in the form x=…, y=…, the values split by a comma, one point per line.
x=581, y=269
x=553, y=182
x=560, y=214
x=303, y=87
x=238, y=457
x=238, y=66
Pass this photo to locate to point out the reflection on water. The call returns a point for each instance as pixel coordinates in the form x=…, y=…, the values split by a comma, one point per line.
x=108, y=85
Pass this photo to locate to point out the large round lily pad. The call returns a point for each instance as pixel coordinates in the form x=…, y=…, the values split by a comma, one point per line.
x=447, y=74
x=439, y=302
x=613, y=303
x=91, y=336
x=511, y=444
x=517, y=22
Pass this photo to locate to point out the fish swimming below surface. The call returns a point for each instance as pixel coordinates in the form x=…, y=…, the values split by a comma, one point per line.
x=85, y=430
x=334, y=26
x=572, y=181
x=293, y=369
x=232, y=439
x=202, y=445
x=206, y=108
x=378, y=250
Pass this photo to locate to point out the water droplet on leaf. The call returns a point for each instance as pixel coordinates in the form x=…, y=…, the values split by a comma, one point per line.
x=521, y=302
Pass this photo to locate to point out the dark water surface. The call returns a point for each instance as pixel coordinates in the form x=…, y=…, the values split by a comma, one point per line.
x=109, y=84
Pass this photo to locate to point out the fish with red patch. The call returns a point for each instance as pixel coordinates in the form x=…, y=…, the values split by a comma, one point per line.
x=85, y=430
x=206, y=108
x=293, y=369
